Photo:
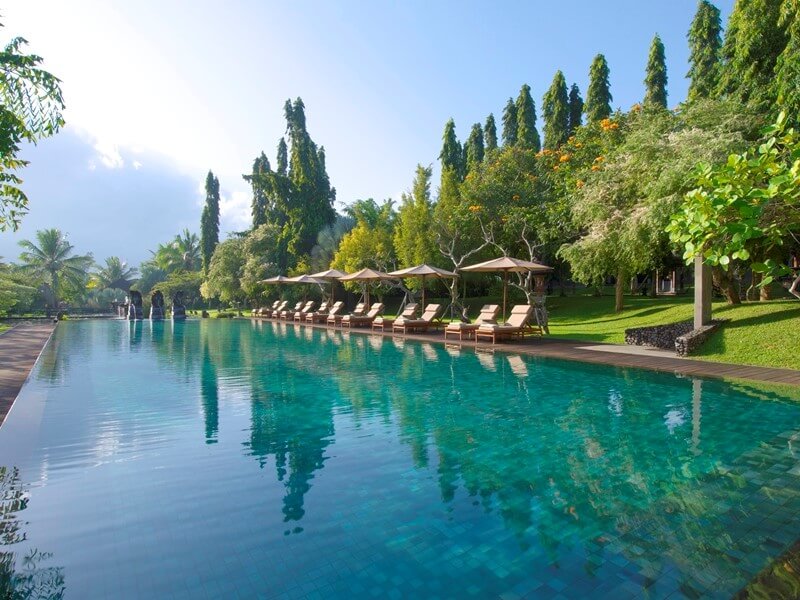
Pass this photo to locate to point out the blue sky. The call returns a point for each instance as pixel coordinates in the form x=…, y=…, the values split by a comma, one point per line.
x=159, y=92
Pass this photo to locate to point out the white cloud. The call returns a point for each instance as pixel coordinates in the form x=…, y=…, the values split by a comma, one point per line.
x=108, y=154
x=234, y=211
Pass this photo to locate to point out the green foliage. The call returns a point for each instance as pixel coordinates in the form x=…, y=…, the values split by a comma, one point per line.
x=474, y=148
x=258, y=206
x=510, y=123
x=490, y=134
x=262, y=255
x=638, y=179
x=371, y=242
x=223, y=280
x=328, y=241
x=705, y=42
x=655, y=80
x=451, y=154
x=598, y=96
x=150, y=275
x=787, y=69
x=30, y=109
x=114, y=274
x=746, y=208
x=527, y=134
x=209, y=220
x=188, y=282
x=183, y=253
x=52, y=259
x=556, y=112
x=413, y=238
x=575, y=117
x=753, y=41
x=17, y=289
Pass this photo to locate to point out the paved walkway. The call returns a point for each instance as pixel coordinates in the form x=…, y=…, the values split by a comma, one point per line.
x=20, y=346
x=611, y=354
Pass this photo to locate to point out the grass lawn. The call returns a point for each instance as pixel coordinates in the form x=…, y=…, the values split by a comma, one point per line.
x=3, y=327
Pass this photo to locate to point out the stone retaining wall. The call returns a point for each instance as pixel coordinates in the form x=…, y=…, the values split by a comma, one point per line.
x=688, y=343
x=658, y=336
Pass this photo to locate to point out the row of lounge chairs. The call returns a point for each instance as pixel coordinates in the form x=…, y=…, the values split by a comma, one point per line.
x=484, y=326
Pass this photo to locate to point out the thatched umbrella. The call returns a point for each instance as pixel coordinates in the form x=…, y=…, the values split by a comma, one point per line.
x=330, y=275
x=365, y=276
x=423, y=271
x=507, y=264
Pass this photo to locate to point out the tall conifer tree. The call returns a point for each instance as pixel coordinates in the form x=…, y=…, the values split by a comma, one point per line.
x=705, y=42
x=754, y=39
x=555, y=111
x=258, y=205
x=474, y=146
x=282, y=158
x=510, y=123
x=209, y=221
x=575, y=108
x=527, y=134
x=490, y=134
x=655, y=79
x=787, y=69
x=598, y=96
x=452, y=153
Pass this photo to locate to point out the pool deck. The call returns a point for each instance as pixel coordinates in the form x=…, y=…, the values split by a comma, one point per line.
x=20, y=346
x=607, y=354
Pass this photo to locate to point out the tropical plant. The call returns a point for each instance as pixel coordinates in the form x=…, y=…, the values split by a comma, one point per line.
x=30, y=109
x=114, y=274
x=53, y=259
x=181, y=254
x=223, y=280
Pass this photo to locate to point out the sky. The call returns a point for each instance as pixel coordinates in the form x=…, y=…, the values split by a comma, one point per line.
x=159, y=92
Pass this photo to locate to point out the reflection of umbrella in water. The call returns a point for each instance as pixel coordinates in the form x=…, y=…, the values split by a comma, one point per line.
x=507, y=264
x=423, y=271
x=365, y=276
x=330, y=275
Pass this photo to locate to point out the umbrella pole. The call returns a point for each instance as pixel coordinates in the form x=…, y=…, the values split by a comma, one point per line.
x=505, y=293
x=423, y=293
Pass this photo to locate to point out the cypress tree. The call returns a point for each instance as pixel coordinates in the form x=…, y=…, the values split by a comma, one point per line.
x=575, y=108
x=527, y=135
x=490, y=134
x=598, y=96
x=555, y=110
x=787, y=70
x=209, y=221
x=258, y=206
x=283, y=158
x=474, y=146
x=705, y=42
x=655, y=79
x=452, y=153
x=510, y=123
x=754, y=39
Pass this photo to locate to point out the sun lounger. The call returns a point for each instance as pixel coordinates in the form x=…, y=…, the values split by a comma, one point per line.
x=300, y=315
x=363, y=320
x=421, y=324
x=287, y=314
x=487, y=315
x=321, y=317
x=515, y=326
x=336, y=319
x=382, y=323
x=273, y=313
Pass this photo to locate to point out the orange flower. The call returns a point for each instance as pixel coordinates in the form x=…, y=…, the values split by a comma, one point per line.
x=475, y=207
x=563, y=158
x=555, y=167
x=579, y=184
x=599, y=159
x=515, y=197
x=595, y=167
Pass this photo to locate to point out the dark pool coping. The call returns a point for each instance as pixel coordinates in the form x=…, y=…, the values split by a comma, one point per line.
x=605, y=354
x=20, y=348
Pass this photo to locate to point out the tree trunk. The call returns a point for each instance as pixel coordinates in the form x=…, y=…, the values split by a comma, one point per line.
x=654, y=285
x=765, y=292
x=619, y=292
x=752, y=291
x=725, y=282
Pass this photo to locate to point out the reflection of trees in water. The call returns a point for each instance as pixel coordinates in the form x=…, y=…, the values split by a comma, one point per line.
x=209, y=391
x=290, y=419
x=22, y=577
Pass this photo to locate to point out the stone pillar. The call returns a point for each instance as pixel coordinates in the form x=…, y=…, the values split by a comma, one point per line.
x=702, y=293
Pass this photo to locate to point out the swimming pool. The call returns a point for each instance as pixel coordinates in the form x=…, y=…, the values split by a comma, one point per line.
x=258, y=459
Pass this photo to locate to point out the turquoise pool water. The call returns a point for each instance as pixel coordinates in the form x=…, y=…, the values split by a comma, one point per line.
x=236, y=459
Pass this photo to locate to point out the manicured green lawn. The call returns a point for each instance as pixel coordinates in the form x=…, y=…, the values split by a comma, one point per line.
x=3, y=327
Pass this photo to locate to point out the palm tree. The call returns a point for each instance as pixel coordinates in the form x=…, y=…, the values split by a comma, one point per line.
x=53, y=259
x=181, y=254
x=115, y=274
